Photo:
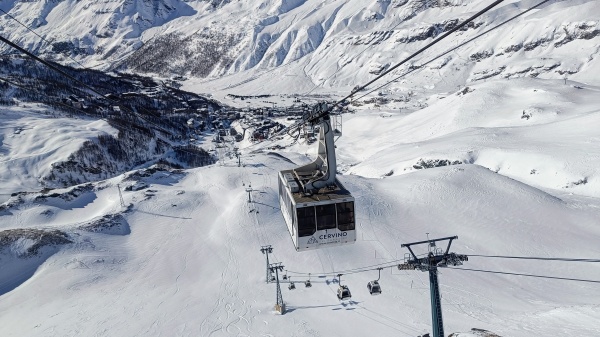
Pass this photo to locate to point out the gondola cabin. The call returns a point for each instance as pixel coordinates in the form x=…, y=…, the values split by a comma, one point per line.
x=321, y=219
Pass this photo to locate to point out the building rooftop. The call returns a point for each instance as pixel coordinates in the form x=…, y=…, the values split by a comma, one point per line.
x=324, y=194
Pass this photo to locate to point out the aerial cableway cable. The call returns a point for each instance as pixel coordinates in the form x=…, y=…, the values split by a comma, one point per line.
x=69, y=76
x=38, y=35
x=53, y=67
x=85, y=85
x=415, y=12
x=429, y=45
x=454, y=48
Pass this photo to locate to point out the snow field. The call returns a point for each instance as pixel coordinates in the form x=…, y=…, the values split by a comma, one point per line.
x=30, y=142
x=192, y=264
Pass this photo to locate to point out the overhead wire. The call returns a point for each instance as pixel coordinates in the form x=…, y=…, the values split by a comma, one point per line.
x=38, y=35
x=539, y=258
x=361, y=88
x=394, y=263
x=429, y=45
x=328, y=110
x=454, y=48
x=85, y=85
x=368, y=45
x=528, y=275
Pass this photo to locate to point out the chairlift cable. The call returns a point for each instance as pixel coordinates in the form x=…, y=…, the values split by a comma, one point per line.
x=385, y=265
x=453, y=49
x=528, y=275
x=564, y=259
x=392, y=264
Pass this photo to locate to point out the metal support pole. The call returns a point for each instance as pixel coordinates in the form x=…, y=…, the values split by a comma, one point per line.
x=436, y=304
x=249, y=190
x=120, y=196
x=268, y=270
x=279, y=306
x=266, y=250
x=434, y=259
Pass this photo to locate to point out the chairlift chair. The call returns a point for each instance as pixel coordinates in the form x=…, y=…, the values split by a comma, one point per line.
x=292, y=286
x=307, y=283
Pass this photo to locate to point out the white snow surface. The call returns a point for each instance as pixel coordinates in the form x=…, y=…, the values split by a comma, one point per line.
x=191, y=263
x=31, y=141
x=184, y=259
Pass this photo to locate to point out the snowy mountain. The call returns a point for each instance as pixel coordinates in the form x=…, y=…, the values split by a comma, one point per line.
x=332, y=44
x=496, y=142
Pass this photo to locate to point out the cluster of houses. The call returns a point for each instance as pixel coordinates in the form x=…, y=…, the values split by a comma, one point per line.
x=201, y=115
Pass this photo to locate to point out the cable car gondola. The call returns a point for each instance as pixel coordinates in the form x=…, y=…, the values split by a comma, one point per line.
x=307, y=283
x=343, y=292
x=373, y=286
x=317, y=208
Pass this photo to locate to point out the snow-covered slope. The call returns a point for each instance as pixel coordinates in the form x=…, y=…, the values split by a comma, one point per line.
x=537, y=131
x=182, y=256
x=192, y=266
x=31, y=140
x=460, y=147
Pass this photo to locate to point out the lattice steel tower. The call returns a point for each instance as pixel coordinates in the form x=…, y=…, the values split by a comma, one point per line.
x=279, y=306
x=267, y=250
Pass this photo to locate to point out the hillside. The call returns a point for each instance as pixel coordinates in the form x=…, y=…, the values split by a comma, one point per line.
x=183, y=254
x=109, y=226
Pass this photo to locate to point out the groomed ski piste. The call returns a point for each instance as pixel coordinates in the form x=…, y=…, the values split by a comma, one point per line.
x=182, y=256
